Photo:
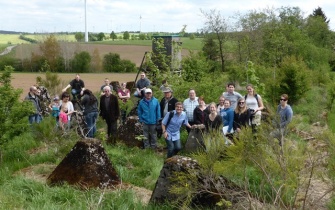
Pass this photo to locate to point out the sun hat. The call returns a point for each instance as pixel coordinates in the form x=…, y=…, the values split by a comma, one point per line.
x=167, y=90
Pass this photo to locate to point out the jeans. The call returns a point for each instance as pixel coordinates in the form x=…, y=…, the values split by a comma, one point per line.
x=150, y=134
x=35, y=118
x=91, y=119
x=173, y=147
x=75, y=92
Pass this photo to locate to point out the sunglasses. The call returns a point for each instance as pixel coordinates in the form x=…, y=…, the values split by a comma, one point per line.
x=283, y=99
x=240, y=102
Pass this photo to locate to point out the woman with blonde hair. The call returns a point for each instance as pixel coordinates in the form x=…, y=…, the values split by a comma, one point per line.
x=255, y=103
x=213, y=121
x=241, y=115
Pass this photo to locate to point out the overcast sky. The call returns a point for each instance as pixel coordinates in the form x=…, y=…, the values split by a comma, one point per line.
x=133, y=15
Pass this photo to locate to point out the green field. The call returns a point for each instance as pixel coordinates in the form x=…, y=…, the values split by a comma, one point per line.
x=6, y=39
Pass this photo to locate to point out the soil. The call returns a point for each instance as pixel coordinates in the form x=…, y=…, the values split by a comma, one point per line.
x=93, y=81
x=133, y=53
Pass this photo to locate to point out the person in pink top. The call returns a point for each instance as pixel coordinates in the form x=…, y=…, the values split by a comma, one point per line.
x=63, y=119
x=124, y=95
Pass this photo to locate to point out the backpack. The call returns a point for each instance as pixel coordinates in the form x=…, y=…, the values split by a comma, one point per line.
x=256, y=96
x=159, y=125
x=171, y=113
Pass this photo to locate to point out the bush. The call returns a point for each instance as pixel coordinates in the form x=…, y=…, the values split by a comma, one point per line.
x=81, y=62
x=13, y=113
x=293, y=79
x=113, y=63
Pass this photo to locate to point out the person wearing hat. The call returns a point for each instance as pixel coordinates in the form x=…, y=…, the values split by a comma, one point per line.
x=168, y=102
x=149, y=113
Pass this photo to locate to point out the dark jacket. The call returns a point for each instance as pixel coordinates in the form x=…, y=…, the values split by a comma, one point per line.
x=114, y=111
x=213, y=125
x=88, y=106
x=171, y=105
x=36, y=102
x=241, y=120
x=199, y=116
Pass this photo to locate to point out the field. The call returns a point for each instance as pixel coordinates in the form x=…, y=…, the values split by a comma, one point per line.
x=14, y=38
x=92, y=81
x=130, y=52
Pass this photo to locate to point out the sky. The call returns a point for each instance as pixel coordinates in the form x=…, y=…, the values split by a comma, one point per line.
x=134, y=15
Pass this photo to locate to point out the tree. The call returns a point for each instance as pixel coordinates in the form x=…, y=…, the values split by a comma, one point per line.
x=113, y=63
x=101, y=36
x=79, y=37
x=210, y=48
x=51, y=51
x=194, y=67
x=81, y=62
x=142, y=36
x=96, y=63
x=183, y=31
x=13, y=113
x=126, y=35
x=319, y=13
x=113, y=36
x=294, y=78
x=216, y=24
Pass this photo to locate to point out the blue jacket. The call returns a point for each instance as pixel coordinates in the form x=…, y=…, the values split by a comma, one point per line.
x=149, y=112
x=285, y=114
x=227, y=118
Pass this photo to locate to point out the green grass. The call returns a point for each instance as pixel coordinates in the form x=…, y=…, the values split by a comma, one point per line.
x=135, y=166
x=187, y=43
x=11, y=38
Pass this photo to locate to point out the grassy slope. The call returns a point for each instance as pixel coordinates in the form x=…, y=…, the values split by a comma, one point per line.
x=137, y=167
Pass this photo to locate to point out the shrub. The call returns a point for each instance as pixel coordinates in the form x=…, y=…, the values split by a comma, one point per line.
x=13, y=113
x=113, y=63
x=81, y=62
x=293, y=79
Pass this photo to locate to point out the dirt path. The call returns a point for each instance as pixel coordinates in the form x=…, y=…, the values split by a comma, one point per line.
x=7, y=50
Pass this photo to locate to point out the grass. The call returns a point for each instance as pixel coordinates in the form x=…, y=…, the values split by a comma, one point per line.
x=138, y=167
x=11, y=39
x=195, y=44
x=5, y=39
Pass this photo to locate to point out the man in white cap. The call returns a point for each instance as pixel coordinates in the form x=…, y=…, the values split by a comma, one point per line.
x=149, y=113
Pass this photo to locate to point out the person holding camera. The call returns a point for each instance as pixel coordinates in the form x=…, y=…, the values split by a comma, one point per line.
x=255, y=103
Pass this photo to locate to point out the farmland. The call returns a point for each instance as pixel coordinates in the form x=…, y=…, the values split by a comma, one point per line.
x=92, y=81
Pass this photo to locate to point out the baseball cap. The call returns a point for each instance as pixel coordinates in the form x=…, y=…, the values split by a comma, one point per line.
x=148, y=90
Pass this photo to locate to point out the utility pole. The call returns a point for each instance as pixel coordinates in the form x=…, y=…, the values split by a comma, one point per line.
x=86, y=33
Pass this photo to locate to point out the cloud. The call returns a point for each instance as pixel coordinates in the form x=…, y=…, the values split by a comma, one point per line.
x=156, y=15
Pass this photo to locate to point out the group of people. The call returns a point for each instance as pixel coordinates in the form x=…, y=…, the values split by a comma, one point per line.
x=62, y=107
x=231, y=114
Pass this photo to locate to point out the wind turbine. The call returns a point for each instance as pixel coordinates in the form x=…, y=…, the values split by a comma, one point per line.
x=86, y=33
